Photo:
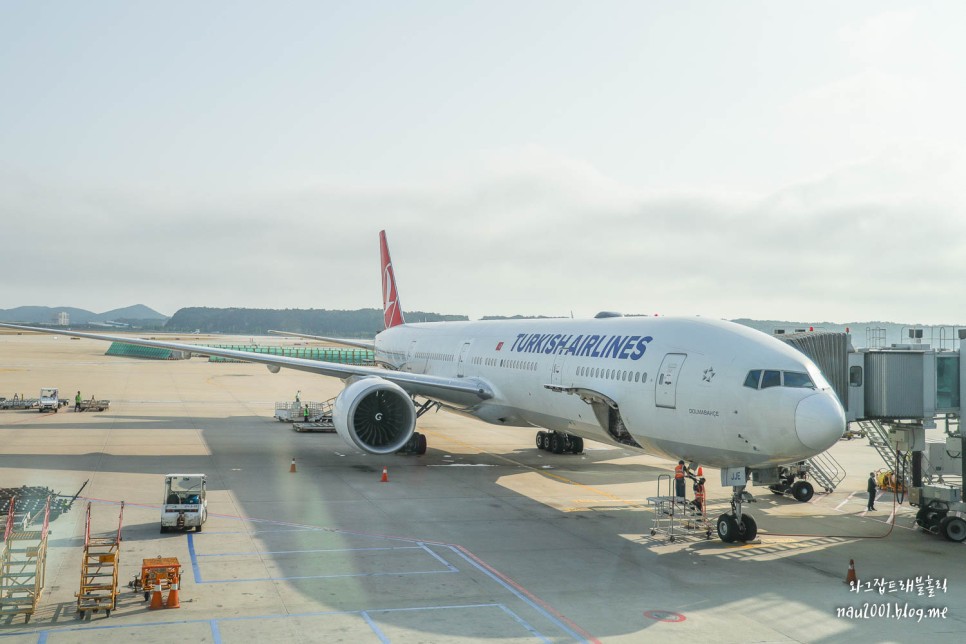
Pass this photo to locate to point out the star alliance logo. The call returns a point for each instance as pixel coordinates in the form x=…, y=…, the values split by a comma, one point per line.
x=708, y=374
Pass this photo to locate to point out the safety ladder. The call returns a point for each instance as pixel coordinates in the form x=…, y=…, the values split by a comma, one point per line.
x=826, y=471
x=99, y=565
x=23, y=563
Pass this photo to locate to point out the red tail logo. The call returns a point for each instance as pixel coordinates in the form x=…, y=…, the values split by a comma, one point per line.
x=392, y=313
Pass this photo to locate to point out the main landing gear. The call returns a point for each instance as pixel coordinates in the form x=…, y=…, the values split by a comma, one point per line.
x=736, y=526
x=559, y=442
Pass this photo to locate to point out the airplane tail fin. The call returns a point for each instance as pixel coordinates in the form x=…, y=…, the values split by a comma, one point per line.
x=391, y=310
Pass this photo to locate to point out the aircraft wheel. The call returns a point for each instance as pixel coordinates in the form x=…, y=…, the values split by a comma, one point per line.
x=803, y=491
x=556, y=443
x=727, y=528
x=748, y=528
x=576, y=444
x=954, y=528
x=421, y=444
x=540, y=437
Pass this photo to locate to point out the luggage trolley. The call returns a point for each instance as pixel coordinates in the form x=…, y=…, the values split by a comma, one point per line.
x=675, y=516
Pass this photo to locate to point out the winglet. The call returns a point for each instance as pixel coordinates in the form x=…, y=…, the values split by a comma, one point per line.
x=391, y=310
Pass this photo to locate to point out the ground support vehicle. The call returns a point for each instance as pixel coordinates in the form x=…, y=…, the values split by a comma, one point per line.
x=185, y=502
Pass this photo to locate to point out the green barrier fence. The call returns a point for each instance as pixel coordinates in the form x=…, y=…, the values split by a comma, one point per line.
x=136, y=351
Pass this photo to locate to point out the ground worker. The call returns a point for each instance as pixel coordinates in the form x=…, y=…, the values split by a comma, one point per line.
x=77, y=400
x=305, y=413
x=871, y=489
x=699, y=495
x=679, y=471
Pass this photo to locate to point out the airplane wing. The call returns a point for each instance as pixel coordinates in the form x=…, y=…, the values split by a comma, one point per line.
x=349, y=343
x=458, y=391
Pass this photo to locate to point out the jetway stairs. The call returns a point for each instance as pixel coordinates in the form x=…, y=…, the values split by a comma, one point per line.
x=826, y=471
x=99, y=565
x=878, y=435
x=23, y=562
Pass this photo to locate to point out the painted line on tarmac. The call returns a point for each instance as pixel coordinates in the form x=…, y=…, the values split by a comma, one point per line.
x=44, y=634
x=196, y=568
x=375, y=627
x=530, y=599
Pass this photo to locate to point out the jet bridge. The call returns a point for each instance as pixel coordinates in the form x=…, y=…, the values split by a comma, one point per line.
x=895, y=394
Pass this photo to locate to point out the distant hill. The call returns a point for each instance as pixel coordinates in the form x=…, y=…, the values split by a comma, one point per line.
x=45, y=314
x=361, y=323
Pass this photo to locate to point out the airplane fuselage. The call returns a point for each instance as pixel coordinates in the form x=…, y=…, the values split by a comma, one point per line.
x=677, y=387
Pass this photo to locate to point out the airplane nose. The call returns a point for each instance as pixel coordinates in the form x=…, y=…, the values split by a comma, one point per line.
x=819, y=420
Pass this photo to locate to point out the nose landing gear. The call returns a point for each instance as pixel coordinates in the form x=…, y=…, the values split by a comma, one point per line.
x=737, y=526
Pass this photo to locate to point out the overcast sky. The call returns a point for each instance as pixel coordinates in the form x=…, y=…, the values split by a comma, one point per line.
x=766, y=159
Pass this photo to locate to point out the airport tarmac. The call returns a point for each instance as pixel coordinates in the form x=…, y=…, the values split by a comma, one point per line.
x=483, y=538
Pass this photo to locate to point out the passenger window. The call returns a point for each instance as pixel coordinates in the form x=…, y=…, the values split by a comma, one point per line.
x=753, y=378
x=637, y=376
x=798, y=379
x=855, y=376
x=771, y=379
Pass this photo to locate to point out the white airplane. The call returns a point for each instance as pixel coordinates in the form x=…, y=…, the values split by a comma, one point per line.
x=703, y=391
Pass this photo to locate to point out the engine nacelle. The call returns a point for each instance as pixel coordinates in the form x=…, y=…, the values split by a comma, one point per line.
x=375, y=415
x=274, y=368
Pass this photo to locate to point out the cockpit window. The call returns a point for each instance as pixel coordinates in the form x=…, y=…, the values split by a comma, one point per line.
x=798, y=379
x=753, y=378
x=765, y=378
x=771, y=379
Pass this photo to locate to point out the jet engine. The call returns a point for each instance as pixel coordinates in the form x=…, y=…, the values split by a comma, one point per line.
x=375, y=415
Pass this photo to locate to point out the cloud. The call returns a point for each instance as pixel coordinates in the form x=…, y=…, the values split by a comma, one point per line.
x=528, y=231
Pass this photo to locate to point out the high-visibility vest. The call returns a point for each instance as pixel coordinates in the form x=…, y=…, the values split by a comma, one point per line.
x=679, y=471
x=699, y=494
x=77, y=398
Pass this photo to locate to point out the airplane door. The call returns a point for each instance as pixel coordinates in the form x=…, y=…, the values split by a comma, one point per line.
x=459, y=363
x=556, y=374
x=412, y=350
x=666, y=386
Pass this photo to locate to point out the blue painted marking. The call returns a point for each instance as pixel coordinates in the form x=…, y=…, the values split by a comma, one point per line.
x=525, y=624
x=520, y=596
x=360, y=574
x=451, y=567
x=290, y=552
x=215, y=632
x=195, y=568
x=375, y=628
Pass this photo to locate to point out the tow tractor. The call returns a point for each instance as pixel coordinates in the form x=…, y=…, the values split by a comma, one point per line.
x=49, y=400
x=185, y=502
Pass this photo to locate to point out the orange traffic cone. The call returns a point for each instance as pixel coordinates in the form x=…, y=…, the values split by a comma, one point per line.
x=291, y=468
x=173, y=600
x=850, y=578
x=385, y=475
x=156, y=600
